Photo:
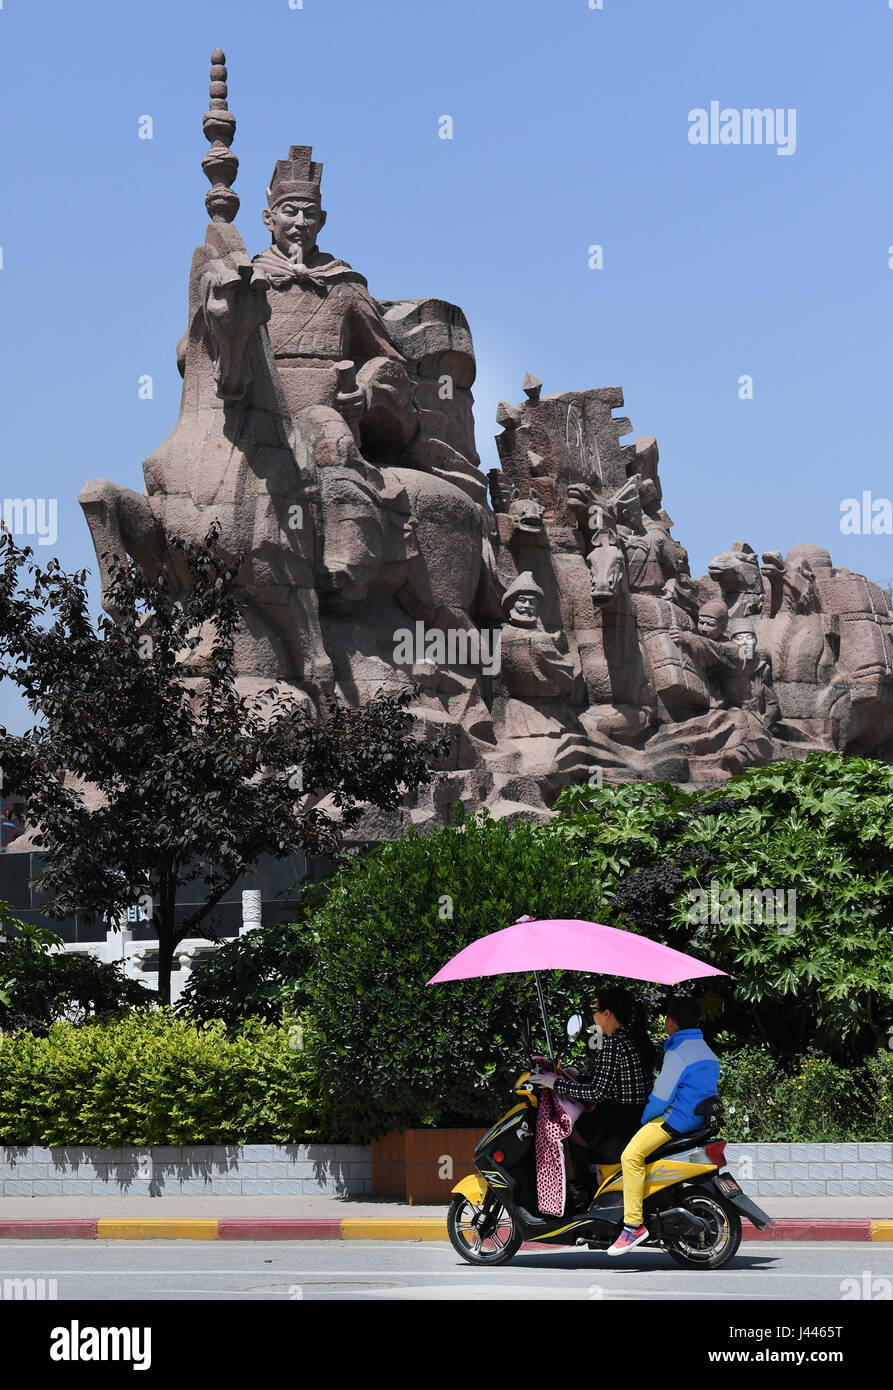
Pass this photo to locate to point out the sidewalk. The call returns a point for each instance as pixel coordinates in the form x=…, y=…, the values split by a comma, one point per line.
x=345, y=1218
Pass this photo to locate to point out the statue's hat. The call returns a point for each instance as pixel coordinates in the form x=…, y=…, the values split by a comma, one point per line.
x=296, y=177
x=715, y=608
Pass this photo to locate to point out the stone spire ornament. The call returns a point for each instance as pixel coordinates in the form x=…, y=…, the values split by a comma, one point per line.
x=220, y=164
x=531, y=386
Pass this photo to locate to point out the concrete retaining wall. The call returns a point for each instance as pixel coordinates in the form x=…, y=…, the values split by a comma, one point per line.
x=299, y=1170
x=249, y=1170
x=813, y=1170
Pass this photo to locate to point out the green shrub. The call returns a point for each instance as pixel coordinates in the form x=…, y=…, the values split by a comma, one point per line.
x=153, y=1079
x=39, y=983
x=811, y=1099
x=390, y=1052
x=675, y=865
x=879, y=1097
x=262, y=974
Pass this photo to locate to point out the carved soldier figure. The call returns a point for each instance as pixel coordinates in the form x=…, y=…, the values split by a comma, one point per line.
x=538, y=677
x=751, y=687
x=534, y=662
x=324, y=321
x=732, y=734
x=708, y=648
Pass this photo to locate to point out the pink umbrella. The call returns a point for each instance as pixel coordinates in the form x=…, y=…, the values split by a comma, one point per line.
x=570, y=944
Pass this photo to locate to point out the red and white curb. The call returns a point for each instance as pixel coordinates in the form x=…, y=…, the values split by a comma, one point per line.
x=363, y=1228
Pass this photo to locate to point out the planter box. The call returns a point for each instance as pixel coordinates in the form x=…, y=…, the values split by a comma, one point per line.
x=422, y=1165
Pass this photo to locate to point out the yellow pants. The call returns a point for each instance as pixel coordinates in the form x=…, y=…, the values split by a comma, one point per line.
x=632, y=1161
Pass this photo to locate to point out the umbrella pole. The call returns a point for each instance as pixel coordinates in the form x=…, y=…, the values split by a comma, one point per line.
x=539, y=990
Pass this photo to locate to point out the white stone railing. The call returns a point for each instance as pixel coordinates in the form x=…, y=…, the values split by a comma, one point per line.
x=119, y=945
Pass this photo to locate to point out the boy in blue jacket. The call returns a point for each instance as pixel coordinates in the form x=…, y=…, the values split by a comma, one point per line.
x=690, y=1074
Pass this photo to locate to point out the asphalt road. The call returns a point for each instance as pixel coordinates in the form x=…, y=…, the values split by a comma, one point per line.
x=397, y=1270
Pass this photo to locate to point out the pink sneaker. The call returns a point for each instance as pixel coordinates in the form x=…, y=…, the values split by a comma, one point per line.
x=628, y=1239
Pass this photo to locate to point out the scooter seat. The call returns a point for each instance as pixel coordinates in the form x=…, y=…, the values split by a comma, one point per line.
x=682, y=1142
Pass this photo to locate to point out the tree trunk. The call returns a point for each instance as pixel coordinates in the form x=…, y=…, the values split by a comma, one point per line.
x=165, y=961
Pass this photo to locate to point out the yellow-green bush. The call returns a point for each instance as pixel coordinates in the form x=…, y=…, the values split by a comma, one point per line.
x=151, y=1078
x=810, y=1099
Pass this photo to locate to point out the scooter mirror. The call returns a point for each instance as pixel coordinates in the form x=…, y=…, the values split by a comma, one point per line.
x=574, y=1026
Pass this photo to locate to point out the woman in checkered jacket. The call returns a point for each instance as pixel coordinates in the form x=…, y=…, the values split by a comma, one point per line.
x=619, y=1085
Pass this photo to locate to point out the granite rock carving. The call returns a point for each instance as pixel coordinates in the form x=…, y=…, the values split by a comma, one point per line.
x=546, y=613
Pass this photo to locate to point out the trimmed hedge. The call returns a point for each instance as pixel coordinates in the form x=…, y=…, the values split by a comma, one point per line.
x=153, y=1079
x=391, y=1053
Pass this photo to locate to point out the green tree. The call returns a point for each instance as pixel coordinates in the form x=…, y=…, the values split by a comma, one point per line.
x=142, y=775
x=263, y=974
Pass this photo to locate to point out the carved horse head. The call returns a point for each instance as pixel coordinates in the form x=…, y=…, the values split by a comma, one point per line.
x=737, y=572
x=227, y=304
x=792, y=585
x=233, y=305
x=607, y=570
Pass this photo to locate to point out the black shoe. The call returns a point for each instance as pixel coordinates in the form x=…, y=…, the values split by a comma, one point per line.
x=578, y=1198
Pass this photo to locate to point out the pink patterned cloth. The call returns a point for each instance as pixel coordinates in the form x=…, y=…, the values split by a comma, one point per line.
x=554, y=1121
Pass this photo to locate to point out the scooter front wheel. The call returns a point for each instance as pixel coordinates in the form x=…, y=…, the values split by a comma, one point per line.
x=485, y=1234
x=721, y=1237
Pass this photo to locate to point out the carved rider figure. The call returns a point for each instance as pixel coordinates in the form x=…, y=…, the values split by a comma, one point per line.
x=653, y=557
x=751, y=688
x=324, y=322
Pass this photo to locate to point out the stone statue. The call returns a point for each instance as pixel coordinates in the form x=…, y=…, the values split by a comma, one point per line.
x=540, y=678
x=328, y=335
x=750, y=687
x=734, y=732
x=545, y=614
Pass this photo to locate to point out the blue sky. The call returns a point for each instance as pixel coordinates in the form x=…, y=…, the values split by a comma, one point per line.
x=570, y=128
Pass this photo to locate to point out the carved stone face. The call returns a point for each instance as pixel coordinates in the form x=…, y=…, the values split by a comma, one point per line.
x=525, y=611
x=748, y=643
x=295, y=224
x=709, y=625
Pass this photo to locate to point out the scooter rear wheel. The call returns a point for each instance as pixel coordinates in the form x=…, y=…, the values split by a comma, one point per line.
x=493, y=1240
x=721, y=1240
